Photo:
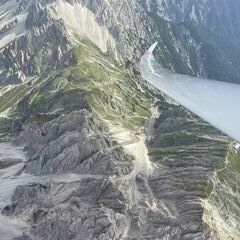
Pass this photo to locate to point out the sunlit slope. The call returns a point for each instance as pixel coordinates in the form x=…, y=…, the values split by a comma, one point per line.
x=95, y=82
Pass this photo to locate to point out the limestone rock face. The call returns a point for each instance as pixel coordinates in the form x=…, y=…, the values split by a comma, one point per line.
x=73, y=143
x=36, y=44
x=96, y=153
x=36, y=35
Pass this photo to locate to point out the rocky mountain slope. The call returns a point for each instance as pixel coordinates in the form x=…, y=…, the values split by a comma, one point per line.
x=103, y=155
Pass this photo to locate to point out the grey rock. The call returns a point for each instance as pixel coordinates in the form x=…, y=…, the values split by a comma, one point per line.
x=76, y=143
x=89, y=209
x=104, y=203
x=43, y=48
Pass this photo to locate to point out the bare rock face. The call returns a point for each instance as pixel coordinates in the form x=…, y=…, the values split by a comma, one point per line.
x=75, y=143
x=78, y=106
x=187, y=32
x=87, y=209
x=103, y=199
x=75, y=196
x=40, y=46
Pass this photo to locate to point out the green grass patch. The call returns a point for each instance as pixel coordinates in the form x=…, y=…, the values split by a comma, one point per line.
x=95, y=81
x=234, y=160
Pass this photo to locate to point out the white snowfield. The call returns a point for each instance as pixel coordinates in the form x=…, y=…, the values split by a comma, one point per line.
x=214, y=101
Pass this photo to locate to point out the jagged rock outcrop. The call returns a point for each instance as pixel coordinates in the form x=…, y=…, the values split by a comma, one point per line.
x=187, y=32
x=87, y=209
x=75, y=143
x=40, y=47
x=79, y=111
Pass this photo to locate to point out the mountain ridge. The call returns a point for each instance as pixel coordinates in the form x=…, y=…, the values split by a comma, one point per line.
x=131, y=164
